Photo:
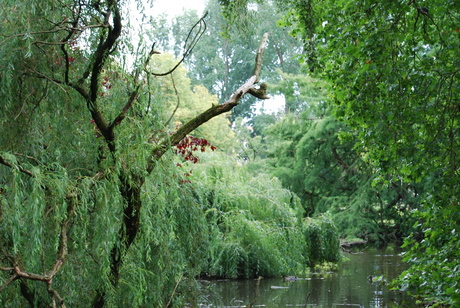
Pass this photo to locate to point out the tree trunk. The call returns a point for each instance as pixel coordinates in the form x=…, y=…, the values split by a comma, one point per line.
x=131, y=193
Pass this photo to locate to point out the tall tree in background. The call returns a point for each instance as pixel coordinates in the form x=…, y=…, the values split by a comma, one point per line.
x=220, y=60
x=89, y=196
x=307, y=154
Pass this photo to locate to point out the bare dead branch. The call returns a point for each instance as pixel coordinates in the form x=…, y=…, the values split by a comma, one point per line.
x=256, y=296
x=260, y=93
x=174, y=291
x=259, y=56
x=190, y=43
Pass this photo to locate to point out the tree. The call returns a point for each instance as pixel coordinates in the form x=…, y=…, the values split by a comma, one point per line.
x=87, y=181
x=182, y=101
x=258, y=226
x=392, y=67
x=249, y=240
x=306, y=152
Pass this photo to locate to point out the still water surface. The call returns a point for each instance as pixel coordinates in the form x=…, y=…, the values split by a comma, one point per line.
x=348, y=286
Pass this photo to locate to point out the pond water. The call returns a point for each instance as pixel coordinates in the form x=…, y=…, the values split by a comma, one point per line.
x=348, y=286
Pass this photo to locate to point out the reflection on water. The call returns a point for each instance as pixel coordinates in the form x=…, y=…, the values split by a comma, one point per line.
x=349, y=286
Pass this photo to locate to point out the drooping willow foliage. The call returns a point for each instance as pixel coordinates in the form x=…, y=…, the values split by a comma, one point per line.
x=172, y=238
x=258, y=226
x=94, y=211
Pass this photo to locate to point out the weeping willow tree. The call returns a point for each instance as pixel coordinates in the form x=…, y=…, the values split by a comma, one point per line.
x=92, y=209
x=256, y=226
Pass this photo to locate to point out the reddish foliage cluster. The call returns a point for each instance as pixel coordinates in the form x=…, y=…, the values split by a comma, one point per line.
x=106, y=83
x=189, y=144
x=74, y=45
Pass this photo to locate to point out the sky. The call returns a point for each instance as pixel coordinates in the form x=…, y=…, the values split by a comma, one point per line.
x=175, y=7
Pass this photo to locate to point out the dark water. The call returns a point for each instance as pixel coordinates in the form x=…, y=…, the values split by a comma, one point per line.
x=348, y=286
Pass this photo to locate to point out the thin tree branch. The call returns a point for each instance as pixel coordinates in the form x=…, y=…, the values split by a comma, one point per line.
x=12, y=278
x=201, y=25
x=178, y=101
x=133, y=97
x=55, y=297
x=134, y=94
x=65, y=42
x=18, y=166
x=62, y=251
x=61, y=257
x=100, y=56
x=174, y=291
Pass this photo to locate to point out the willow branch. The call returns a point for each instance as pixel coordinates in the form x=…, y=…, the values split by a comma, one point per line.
x=65, y=42
x=60, y=260
x=132, y=98
x=134, y=94
x=12, y=278
x=55, y=296
x=18, y=166
x=178, y=101
x=99, y=59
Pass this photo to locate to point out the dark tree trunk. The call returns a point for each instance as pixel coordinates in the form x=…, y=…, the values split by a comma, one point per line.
x=130, y=190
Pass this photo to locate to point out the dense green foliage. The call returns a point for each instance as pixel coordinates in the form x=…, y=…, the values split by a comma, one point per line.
x=306, y=154
x=96, y=206
x=391, y=68
x=258, y=225
x=393, y=73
